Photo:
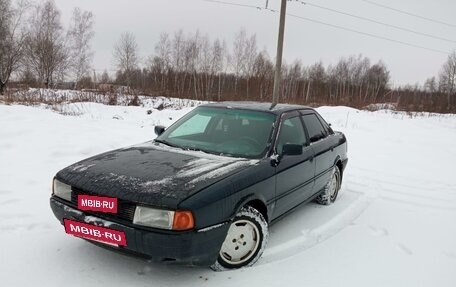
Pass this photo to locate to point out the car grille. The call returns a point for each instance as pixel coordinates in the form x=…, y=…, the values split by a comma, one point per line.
x=125, y=209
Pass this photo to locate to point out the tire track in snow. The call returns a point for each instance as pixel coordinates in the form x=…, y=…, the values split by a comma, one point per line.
x=432, y=197
x=416, y=195
x=405, y=181
x=417, y=204
x=311, y=237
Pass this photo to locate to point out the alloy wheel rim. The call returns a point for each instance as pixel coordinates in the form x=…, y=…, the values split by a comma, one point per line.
x=241, y=242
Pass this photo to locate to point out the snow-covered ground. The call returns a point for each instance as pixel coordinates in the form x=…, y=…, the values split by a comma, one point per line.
x=394, y=223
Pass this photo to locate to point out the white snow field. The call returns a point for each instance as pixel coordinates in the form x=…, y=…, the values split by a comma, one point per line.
x=394, y=223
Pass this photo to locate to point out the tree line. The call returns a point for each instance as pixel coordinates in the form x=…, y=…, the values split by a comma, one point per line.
x=37, y=49
x=194, y=66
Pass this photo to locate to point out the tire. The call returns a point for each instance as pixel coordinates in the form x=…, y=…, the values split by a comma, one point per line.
x=245, y=241
x=329, y=194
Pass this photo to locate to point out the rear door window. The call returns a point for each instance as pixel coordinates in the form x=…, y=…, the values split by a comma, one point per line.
x=314, y=128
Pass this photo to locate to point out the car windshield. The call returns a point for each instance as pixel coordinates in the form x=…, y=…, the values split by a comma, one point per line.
x=223, y=131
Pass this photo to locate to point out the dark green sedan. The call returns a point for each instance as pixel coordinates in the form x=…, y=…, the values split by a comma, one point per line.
x=205, y=191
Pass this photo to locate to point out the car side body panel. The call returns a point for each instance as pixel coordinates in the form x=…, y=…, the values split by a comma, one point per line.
x=324, y=158
x=295, y=180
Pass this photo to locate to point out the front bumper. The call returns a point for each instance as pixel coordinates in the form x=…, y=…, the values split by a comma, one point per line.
x=195, y=247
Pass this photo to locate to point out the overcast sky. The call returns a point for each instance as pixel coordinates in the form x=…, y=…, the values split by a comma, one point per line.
x=304, y=40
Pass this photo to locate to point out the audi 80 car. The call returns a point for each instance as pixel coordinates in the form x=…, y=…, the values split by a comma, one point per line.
x=205, y=191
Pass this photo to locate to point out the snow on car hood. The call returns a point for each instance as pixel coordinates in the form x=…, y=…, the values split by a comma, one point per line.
x=151, y=173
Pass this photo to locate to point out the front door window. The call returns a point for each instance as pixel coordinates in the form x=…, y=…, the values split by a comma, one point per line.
x=291, y=132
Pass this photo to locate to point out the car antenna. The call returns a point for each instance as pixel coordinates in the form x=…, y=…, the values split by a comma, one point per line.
x=273, y=105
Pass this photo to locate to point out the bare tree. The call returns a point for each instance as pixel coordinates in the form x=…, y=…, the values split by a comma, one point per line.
x=5, y=23
x=126, y=56
x=47, y=52
x=317, y=78
x=80, y=34
x=359, y=75
x=205, y=60
x=430, y=85
x=218, y=56
x=379, y=77
x=237, y=57
x=162, y=59
x=178, y=46
x=249, y=57
x=264, y=72
x=192, y=54
x=177, y=60
x=12, y=36
x=105, y=77
x=448, y=78
x=291, y=80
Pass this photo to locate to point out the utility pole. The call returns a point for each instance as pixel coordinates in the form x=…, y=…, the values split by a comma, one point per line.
x=278, y=67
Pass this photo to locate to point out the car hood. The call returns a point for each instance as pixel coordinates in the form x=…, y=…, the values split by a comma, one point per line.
x=150, y=173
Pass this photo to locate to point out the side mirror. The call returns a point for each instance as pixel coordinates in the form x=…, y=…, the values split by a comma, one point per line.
x=292, y=149
x=159, y=130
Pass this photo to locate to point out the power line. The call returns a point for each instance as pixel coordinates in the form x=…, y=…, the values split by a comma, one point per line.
x=409, y=13
x=367, y=34
x=333, y=26
x=376, y=22
x=234, y=4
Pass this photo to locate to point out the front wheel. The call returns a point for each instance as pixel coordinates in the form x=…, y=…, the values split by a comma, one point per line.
x=331, y=190
x=245, y=241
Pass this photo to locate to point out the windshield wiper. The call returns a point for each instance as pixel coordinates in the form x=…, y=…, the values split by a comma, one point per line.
x=199, y=149
x=194, y=149
x=166, y=143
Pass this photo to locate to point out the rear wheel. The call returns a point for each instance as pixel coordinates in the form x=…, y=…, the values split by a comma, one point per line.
x=331, y=190
x=245, y=241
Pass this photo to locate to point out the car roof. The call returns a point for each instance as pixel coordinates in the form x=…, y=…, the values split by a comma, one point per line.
x=258, y=106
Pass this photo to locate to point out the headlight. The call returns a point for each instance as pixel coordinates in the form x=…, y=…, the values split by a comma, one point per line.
x=153, y=217
x=61, y=190
x=164, y=219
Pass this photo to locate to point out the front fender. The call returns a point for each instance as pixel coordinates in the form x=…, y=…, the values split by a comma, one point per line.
x=255, y=198
x=221, y=201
